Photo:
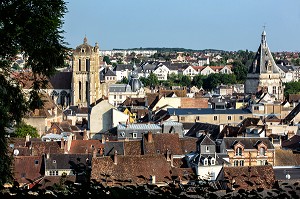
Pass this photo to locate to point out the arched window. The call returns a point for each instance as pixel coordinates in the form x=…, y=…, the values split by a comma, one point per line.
x=212, y=161
x=238, y=151
x=87, y=64
x=86, y=90
x=79, y=90
x=262, y=151
x=79, y=64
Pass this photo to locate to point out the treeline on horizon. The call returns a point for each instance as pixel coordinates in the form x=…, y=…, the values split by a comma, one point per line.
x=164, y=49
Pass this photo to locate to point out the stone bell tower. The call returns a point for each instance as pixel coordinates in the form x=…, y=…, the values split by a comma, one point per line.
x=263, y=74
x=85, y=77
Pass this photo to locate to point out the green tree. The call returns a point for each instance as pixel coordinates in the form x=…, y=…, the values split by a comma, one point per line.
x=23, y=130
x=198, y=81
x=106, y=60
x=240, y=71
x=124, y=80
x=291, y=88
x=185, y=80
x=153, y=80
x=32, y=27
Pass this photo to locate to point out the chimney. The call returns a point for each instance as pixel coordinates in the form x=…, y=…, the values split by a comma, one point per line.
x=48, y=155
x=101, y=151
x=62, y=143
x=27, y=139
x=85, y=136
x=102, y=139
x=116, y=157
x=168, y=155
x=172, y=160
x=94, y=153
x=150, y=137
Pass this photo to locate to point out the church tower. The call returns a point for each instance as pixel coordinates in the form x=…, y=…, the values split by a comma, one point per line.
x=85, y=79
x=263, y=74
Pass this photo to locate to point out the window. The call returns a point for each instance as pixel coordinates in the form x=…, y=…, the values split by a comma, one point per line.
x=229, y=117
x=262, y=162
x=79, y=90
x=274, y=89
x=120, y=96
x=79, y=64
x=236, y=163
x=36, y=162
x=215, y=117
x=134, y=135
x=205, y=162
x=158, y=151
x=197, y=118
x=115, y=97
x=238, y=151
x=207, y=148
x=182, y=118
x=256, y=108
x=54, y=161
x=212, y=161
x=241, y=117
x=262, y=151
x=241, y=162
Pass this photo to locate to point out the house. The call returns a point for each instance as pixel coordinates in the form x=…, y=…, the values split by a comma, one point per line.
x=161, y=72
x=103, y=117
x=198, y=129
x=27, y=169
x=209, y=115
x=69, y=164
x=205, y=160
x=247, y=151
x=286, y=72
x=190, y=71
x=136, y=131
x=122, y=71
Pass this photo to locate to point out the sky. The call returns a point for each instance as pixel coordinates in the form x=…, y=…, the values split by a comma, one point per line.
x=193, y=24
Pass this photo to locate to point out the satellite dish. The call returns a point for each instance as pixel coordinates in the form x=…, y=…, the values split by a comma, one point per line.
x=16, y=152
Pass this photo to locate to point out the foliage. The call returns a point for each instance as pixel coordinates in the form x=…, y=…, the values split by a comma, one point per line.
x=124, y=80
x=106, y=60
x=240, y=71
x=23, y=130
x=151, y=80
x=32, y=27
x=291, y=88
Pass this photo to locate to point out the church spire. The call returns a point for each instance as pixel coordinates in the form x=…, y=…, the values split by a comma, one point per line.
x=263, y=37
x=85, y=40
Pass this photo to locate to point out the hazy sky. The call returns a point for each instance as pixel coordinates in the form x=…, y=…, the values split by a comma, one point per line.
x=195, y=24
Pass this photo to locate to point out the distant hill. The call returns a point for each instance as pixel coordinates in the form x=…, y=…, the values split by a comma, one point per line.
x=176, y=50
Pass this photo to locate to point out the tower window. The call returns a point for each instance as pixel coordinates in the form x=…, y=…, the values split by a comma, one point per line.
x=79, y=91
x=79, y=64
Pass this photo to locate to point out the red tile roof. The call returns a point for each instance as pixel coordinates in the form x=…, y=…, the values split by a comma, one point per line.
x=85, y=146
x=137, y=169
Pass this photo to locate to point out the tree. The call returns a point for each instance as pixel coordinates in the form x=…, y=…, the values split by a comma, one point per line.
x=32, y=27
x=198, y=81
x=185, y=81
x=124, y=80
x=153, y=80
x=240, y=71
x=106, y=60
x=23, y=130
x=291, y=88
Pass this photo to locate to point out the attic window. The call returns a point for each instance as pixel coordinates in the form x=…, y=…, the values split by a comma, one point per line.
x=238, y=151
x=36, y=162
x=134, y=135
x=212, y=161
x=205, y=162
x=262, y=151
x=54, y=161
x=206, y=149
x=158, y=151
x=82, y=50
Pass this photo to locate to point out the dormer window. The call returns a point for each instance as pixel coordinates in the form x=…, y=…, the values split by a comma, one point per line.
x=262, y=151
x=212, y=161
x=82, y=50
x=205, y=162
x=238, y=151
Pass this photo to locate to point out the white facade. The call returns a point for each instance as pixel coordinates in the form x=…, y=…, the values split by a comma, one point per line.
x=162, y=72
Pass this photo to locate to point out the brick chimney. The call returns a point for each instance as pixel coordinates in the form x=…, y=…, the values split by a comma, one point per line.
x=101, y=151
x=172, y=160
x=150, y=137
x=62, y=143
x=94, y=152
x=85, y=135
x=116, y=157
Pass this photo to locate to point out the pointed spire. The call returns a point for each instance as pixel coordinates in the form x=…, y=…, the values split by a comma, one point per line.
x=85, y=40
x=263, y=37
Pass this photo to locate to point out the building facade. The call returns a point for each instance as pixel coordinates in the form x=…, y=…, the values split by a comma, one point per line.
x=263, y=74
x=85, y=77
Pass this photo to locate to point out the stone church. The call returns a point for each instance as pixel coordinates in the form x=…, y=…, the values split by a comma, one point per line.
x=85, y=78
x=263, y=74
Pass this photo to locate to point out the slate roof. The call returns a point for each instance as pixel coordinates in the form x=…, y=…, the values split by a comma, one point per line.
x=112, y=146
x=121, y=67
x=65, y=161
x=119, y=88
x=212, y=130
x=293, y=143
x=138, y=169
x=259, y=176
x=133, y=147
x=27, y=168
x=205, y=111
x=61, y=80
x=248, y=142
